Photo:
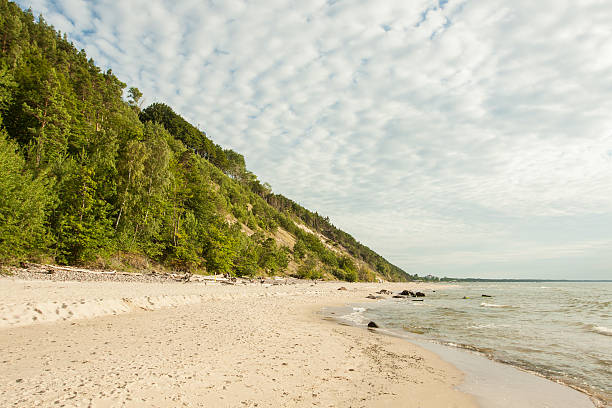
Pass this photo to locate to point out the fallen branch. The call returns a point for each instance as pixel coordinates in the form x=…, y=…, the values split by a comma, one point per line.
x=71, y=269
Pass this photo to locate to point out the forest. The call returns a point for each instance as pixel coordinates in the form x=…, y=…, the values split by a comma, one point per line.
x=88, y=177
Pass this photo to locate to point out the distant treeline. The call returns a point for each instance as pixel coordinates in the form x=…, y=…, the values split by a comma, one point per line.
x=88, y=178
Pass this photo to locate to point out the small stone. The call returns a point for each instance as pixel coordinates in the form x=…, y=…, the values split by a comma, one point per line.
x=372, y=325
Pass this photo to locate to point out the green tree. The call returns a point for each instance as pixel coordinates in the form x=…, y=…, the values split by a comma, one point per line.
x=23, y=201
x=45, y=102
x=135, y=99
x=84, y=228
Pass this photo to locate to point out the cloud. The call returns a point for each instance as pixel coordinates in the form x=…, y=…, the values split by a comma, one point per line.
x=411, y=124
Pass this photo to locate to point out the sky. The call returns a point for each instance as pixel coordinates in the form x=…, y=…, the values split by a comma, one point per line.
x=454, y=137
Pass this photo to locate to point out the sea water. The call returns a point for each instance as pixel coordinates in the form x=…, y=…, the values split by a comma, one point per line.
x=562, y=331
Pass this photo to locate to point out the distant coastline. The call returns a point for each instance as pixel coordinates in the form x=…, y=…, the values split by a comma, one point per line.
x=524, y=280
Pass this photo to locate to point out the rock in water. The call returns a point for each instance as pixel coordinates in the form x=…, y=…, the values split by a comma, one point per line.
x=487, y=296
x=419, y=294
x=373, y=325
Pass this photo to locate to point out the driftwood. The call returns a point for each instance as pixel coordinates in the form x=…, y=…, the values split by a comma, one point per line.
x=71, y=269
x=178, y=277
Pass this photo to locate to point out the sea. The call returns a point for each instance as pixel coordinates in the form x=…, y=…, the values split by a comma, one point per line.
x=559, y=330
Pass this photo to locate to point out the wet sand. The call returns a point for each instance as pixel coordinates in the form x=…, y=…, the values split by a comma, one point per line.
x=496, y=385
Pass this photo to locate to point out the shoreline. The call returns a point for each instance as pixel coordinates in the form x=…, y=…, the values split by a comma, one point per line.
x=497, y=384
x=239, y=346
x=533, y=389
x=264, y=324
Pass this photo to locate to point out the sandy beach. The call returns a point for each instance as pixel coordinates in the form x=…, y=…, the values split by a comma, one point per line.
x=117, y=342
x=172, y=344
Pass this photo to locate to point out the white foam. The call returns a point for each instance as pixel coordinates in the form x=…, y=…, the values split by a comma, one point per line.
x=356, y=317
x=602, y=330
x=481, y=326
x=484, y=304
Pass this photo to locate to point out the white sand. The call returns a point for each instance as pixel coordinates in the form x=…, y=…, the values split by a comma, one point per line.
x=118, y=344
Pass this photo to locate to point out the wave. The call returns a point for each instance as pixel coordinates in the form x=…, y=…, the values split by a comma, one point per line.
x=484, y=304
x=355, y=317
x=481, y=326
x=602, y=330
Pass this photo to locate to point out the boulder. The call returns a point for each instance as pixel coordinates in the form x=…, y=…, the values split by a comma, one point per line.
x=372, y=325
x=487, y=296
x=419, y=294
x=407, y=293
x=384, y=292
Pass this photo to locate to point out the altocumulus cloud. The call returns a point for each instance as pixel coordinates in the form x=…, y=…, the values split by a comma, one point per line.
x=456, y=137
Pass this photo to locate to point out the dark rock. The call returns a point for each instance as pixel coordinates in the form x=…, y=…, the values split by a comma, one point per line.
x=342, y=288
x=372, y=325
x=417, y=300
x=384, y=292
x=419, y=294
x=407, y=293
x=370, y=297
x=399, y=297
x=487, y=296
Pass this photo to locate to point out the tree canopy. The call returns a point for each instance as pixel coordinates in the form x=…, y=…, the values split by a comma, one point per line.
x=88, y=177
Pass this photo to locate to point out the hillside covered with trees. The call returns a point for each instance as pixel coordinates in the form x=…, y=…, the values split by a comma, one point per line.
x=88, y=178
